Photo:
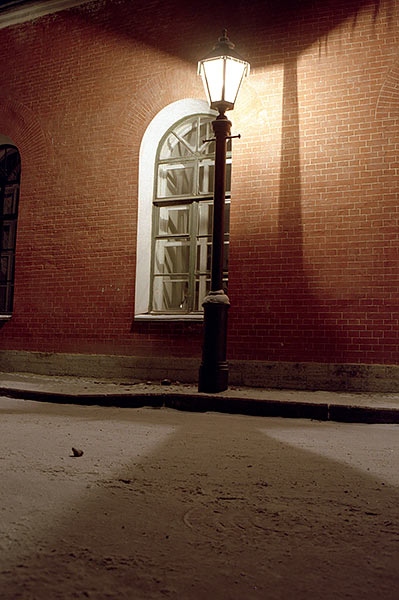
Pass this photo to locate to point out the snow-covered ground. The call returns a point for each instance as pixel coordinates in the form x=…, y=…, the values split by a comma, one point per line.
x=167, y=504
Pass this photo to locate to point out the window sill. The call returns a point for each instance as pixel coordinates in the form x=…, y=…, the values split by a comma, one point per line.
x=5, y=317
x=193, y=318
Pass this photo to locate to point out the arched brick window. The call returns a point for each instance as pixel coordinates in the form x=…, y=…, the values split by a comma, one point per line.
x=10, y=173
x=175, y=213
x=182, y=217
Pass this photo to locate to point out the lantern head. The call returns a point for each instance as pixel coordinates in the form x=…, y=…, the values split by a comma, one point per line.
x=223, y=71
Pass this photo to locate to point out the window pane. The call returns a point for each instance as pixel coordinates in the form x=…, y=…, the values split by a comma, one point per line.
x=207, y=176
x=6, y=283
x=8, y=235
x=172, y=256
x=13, y=164
x=228, y=175
x=204, y=255
x=10, y=164
x=173, y=147
x=204, y=252
x=173, y=220
x=5, y=295
x=227, y=219
x=10, y=168
x=10, y=199
x=226, y=258
x=188, y=132
x=170, y=294
x=205, y=218
x=5, y=268
x=206, y=133
x=175, y=180
x=205, y=210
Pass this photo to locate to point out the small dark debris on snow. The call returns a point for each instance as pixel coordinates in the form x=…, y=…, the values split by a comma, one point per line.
x=166, y=382
x=76, y=452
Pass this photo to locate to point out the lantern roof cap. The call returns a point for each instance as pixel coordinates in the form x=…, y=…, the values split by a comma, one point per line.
x=223, y=47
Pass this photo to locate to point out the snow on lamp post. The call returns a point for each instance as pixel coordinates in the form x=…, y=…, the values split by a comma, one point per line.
x=222, y=72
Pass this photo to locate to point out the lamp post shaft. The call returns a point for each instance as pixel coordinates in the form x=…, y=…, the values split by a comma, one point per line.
x=213, y=374
x=221, y=128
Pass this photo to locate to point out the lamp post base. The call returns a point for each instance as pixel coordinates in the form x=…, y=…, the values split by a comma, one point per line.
x=213, y=378
x=214, y=370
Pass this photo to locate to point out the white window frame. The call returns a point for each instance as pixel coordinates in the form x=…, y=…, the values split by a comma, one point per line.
x=153, y=135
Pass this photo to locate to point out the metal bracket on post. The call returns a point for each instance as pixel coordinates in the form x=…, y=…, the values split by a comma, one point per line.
x=229, y=137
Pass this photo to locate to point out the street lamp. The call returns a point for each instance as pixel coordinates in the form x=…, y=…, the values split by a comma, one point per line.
x=222, y=71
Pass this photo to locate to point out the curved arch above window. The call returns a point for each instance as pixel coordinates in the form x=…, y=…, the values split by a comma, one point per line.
x=10, y=175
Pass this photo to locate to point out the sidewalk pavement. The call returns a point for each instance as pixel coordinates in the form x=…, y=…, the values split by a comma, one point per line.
x=319, y=405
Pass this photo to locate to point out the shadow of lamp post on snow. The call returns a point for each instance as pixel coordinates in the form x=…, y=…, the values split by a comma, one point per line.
x=223, y=71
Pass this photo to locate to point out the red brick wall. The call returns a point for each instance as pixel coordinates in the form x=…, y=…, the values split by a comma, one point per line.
x=314, y=221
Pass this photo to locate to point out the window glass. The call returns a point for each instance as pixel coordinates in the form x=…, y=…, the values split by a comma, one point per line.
x=182, y=223
x=172, y=256
x=188, y=133
x=206, y=176
x=10, y=170
x=8, y=235
x=174, y=147
x=205, y=218
x=173, y=220
x=175, y=179
x=170, y=294
x=206, y=134
x=10, y=199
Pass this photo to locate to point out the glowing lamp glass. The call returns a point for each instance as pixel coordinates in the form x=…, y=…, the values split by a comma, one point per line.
x=222, y=77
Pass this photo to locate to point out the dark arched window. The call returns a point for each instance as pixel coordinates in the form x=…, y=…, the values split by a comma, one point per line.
x=10, y=173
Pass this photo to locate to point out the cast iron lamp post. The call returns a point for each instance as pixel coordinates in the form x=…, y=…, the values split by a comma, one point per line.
x=222, y=71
